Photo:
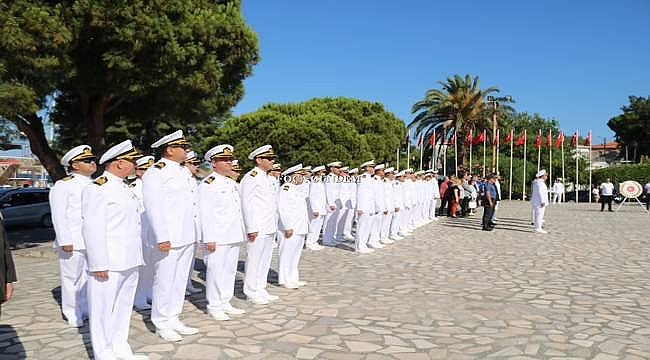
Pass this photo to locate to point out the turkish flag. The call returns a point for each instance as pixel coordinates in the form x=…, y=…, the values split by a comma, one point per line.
x=560, y=140
x=538, y=139
x=588, y=139
x=508, y=137
x=521, y=139
x=432, y=140
x=480, y=138
x=574, y=138
x=469, y=137
x=549, y=139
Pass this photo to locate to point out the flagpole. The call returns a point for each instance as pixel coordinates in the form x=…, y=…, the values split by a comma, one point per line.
x=470, y=151
x=397, y=158
x=408, y=152
x=444, y=161
x=563, y=178
x=523, y=192
x=456, y=151
x=433, y=151
x=550, y=163
x=497, y=147
x=512, y=134
x=589, y=137
x=421, y=150
x=576, y=186
x=484, y=152
x=539, y=151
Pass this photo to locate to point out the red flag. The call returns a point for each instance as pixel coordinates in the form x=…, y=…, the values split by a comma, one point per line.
x=574, y=138
x=521, y=139
x=588, y=139
x=495, y=138
x=538, y=139
x=432, y=139
x=480, y=138
x=560, y=140
x=469, y=137
x=549, y=139
x=508, y=137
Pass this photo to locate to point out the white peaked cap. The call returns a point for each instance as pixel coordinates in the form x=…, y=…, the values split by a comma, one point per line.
x=145, y=161
x=380, y=166
x=400, y=173
x=389, y=170
x=345, y=168
x=540, y=173
x=334, y=164
x=292, y=169
x=220, y=151
x=190, y=155
x=319, y=168
x=77, y=153
x=368, y=163
x=307, y=168
x=264, y=150
x=354, y=171
x=174, y=138
x=123, y=150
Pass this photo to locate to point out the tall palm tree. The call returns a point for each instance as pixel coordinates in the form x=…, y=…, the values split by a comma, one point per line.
x=459, y=105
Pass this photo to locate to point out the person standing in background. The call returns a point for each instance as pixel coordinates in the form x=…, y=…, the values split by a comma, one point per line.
x=606, y=195
x=558, y=191
x=7, y=268
x=539, y=200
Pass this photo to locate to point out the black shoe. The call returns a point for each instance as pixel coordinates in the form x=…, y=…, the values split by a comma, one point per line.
x=488, y=229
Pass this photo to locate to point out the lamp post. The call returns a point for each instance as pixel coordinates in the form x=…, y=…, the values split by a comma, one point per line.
x=495, y=105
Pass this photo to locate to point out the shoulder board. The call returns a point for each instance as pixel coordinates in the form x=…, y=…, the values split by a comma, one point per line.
x=253, y=173
x=209, y=179
x=286, y=187
x=133, y=184
x=160, y=165
x=100, y=180
x=69, y=177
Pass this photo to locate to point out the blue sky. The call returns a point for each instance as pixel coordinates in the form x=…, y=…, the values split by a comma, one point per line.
x=575, y=61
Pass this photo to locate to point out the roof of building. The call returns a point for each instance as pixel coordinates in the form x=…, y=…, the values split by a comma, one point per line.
x=607, y=146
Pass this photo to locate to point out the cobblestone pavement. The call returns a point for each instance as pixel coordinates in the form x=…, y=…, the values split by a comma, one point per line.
x=449, y=291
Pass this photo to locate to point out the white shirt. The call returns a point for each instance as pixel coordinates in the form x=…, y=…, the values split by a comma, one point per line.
x=259, y=202
x=317, y=198
x=222, y=221
x=365, y=194
x=540, y=193
x=558, y=188
x=398, y=199
x=606, y=189
x=111, y=225
x=348, y=192
x=194, y=190
x=170, y=203
x=333, y=190
x=380, y=199
x=647, y=188
x=435, y=188
x=292, y=209
x=65, y=204
x=388, y=195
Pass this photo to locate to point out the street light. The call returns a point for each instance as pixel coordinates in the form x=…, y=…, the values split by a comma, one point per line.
x=495, y=105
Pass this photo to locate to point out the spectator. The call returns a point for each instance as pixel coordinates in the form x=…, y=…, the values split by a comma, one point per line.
x=7, y=270
x=489, y=202
x=454, y=196
x=647, y=195
x=444, y=186
x=595, y=194
x=606, y=195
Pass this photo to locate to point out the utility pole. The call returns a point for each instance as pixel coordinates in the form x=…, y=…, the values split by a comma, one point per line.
x=495, y=105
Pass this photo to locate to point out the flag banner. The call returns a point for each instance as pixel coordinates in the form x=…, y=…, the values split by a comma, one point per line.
x=549, y=139
x=521, y=139
x=538, y=139
x=469, y=137
x=432, y=139
x=508, y=137
x=480, y=138
x=574, y=138
x=560, y=140
x=588, y=139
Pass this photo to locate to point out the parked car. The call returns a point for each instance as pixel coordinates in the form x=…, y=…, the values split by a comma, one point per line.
x=26, y=206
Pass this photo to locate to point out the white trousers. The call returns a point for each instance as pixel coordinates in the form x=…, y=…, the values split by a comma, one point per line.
x=170, y=279
x=315, y=226
x=220, y=275
x=74, y=277
x=375, y=228
x=111, y=303
x=289, y=258
x=364, y=225
x=144, y=293
x=496, y=208
x=558, y=197
x=386, y=220
x=538, y=216
x=349, y=219
x=404, y=219
x=258, y=263
x=395, y=222
x=433, y=205
x=344, y=226
x=331, y=224
x=191, y=269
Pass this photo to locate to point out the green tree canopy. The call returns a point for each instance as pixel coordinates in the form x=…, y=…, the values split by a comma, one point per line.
x=632, y=127
x=315, y=132
x=132, y=69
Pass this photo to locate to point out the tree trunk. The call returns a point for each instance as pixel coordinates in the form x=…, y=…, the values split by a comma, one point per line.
x=92, y=111
x=32, y=127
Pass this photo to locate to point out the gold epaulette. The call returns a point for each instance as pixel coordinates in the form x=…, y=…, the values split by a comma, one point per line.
x=209, y=180
x=133, y=184
x=254, y=173
x=69, y=177
x=286, y=187
x=100, y=180
x=160, y=165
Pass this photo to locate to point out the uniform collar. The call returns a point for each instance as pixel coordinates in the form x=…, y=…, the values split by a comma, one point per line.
x=77, y=175
x=112, y=177
x=170, y=162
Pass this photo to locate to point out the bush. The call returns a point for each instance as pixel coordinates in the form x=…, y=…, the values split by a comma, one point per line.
x=636, y=172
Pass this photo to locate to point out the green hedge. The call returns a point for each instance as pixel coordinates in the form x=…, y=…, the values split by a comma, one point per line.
x=620, y=173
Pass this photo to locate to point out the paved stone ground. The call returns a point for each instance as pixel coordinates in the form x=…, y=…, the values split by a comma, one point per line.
x=449, y=291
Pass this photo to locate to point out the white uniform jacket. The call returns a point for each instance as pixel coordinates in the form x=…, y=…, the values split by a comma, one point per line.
x=292, y=209
x=111, y=225
x=194, y=190
x=540, y=193
x=435, y=189
x=65, y=204
x=380, y=202
x=317, y=197
x=388, y=194
x=258, y=201
x=398, y=194
x=222, y=221
x=333, y=190
x=366, y=194
x=169, y=203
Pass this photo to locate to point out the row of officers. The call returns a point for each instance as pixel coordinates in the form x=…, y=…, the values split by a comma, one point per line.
x=129, y=236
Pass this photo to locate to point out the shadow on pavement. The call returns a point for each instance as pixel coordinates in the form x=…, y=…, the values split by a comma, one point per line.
x=12, y=347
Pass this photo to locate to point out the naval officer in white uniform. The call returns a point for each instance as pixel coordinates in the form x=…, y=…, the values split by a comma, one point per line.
x=334, y=205
x=317, y=207
x=539, y=200
x=191, y=164
x=145, y=279
x=222, y=225
x=259, y=206
x=65, y=203
x=111, y=231
x=170, y=211
x=366, y=210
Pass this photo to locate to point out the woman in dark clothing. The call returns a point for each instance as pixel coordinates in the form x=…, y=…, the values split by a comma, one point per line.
x=7, y=270
x=454, y=197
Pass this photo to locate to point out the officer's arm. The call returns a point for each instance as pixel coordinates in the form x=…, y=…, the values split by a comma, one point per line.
x=94, y=207
x=59, y=203
x=248, y=188
x=154, y=202
x=207, y=213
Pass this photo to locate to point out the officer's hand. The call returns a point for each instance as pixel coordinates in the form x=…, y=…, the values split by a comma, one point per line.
x=396, y=209
x=100, y=275
x=165, y=246
x=315, y=213
x=252, y=236
x=542, y=205
x=288, y=233
x=9, y=290
x=67, y=248
x=359, y=212
x=385, y=212
x=332, y=207
x=211, y=247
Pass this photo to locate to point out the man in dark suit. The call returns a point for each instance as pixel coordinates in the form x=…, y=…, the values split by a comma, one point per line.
x=7, y=270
